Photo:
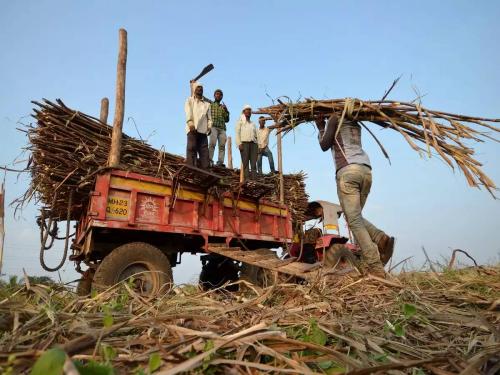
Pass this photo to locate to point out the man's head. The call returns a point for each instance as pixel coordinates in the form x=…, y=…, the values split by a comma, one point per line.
x=247, y=111
x=318, y=211
x=262, y=122
x=218, y=95
x=198, y=90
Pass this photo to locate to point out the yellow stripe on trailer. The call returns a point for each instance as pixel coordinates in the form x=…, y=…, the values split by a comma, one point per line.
x=159, y=189
x=148, y=187
x=331, y=226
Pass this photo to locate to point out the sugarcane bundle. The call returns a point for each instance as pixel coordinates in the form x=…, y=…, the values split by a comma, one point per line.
x=69, y=149
x=424, y=129
x=443, y=322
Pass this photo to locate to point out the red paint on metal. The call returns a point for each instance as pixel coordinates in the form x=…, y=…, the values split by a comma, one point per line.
x=133, y=207
x=326, y=240
x=99, y=203
x=122, y=207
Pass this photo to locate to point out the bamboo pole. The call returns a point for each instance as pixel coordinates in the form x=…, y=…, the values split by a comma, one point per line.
x=229, y=153
x=104, y=110
x=280, y=168
x=2, y=228
x=116, y=138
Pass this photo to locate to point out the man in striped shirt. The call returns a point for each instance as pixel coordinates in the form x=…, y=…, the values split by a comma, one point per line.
x=220, y=116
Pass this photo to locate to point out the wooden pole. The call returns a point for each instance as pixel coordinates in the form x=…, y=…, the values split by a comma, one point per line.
x=2, y=228
x=104, y=110
x=229, y=153
x=116, y=138
x=280, y=169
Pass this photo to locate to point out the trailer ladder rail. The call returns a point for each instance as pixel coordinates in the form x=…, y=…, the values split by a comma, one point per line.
x=265, y=258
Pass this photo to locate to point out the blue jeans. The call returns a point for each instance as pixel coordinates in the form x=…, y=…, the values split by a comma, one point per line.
x=269, y=155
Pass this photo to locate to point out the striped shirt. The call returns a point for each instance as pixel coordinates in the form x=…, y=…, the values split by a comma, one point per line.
x=219, y=116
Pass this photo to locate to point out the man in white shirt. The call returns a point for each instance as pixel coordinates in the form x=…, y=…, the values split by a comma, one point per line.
x=246, y=140
x=263, y=141
x=198, y=127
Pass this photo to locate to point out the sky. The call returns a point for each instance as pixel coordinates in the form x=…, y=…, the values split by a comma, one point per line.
x=445, y=51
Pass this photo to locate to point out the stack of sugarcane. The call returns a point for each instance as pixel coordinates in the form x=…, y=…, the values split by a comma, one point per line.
x=418, y=323
x=424, y=129
x=69, y=148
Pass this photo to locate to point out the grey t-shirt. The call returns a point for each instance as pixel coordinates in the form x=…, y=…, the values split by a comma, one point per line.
x=346, y=148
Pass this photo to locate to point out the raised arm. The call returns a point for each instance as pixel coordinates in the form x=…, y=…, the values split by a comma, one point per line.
x=326, y=136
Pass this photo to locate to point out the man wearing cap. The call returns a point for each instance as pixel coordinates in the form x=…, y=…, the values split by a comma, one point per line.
x=220, y=115
x=263, y=142
x=246, y=140
x=354, y=180
x=198, y=127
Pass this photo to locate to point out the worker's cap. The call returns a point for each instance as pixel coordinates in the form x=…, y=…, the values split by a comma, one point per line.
x=246, y=106
x=218, y=90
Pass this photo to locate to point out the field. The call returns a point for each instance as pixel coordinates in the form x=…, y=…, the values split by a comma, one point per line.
x=444, y=322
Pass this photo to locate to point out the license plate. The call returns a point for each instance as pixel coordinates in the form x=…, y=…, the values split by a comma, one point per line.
x=117, y=208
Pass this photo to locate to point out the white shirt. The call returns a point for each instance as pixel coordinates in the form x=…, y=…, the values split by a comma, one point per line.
x=263, y=137
x=198, y=115
x=246, y=131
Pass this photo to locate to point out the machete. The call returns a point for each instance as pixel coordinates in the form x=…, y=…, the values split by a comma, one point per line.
x=205, y=70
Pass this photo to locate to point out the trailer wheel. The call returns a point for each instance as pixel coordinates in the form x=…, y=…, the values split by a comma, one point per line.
x=338, y=254
x=257, y=275
x=216, y=271
x=149, y=267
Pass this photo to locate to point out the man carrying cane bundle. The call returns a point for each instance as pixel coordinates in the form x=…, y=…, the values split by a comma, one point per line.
x=354, y=179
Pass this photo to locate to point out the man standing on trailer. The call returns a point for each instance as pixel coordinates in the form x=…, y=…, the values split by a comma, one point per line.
x=263, y=141
x=354, y=179
x=246, y=140
x=220, y=116
x=198, y=127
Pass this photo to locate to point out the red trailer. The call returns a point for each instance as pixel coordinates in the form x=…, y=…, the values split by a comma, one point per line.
x=136, y=223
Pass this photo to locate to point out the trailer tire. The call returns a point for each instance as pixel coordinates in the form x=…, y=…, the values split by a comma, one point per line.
x=257, y=275
x=338, y=253
x=152, y=270
x=216, y=271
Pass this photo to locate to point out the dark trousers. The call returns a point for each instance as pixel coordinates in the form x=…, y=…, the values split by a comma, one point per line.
x=249, y=153
x=197, y=150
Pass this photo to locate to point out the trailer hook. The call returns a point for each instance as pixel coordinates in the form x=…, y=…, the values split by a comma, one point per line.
x=45, y=229
x=66, y=241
